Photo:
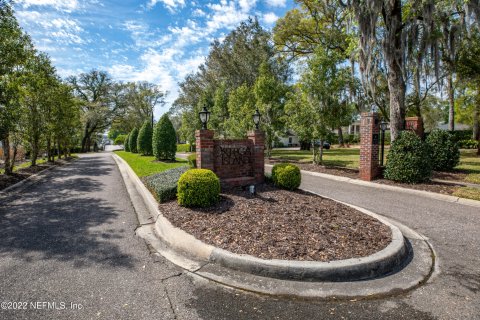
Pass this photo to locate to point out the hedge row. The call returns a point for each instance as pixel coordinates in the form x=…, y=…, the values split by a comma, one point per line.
x=163, y=185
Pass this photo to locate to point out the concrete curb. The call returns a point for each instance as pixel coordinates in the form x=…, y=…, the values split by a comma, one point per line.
x=410, y=275
x=433, y=195
x=372, y=266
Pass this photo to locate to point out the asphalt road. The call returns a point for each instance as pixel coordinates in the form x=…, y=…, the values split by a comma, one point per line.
x=70, y=239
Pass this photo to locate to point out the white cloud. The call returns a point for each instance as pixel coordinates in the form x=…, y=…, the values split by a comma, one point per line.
x=276, y=3
x=171, y=5
x=270, y=18
x=61, y=5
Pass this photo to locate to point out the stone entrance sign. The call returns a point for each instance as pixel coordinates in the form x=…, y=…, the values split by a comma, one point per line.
x=235, y=162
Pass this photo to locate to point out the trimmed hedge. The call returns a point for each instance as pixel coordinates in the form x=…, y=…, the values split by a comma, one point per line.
x=132, y=141
x=164, y=140
x=198, y=188
x=185, y=148
x=144, y=140
x=163, y=185
x=409, y=159
x=286, y=175
x=192, y=161
x=126, y=143
x=468, y=144
x=444, y=150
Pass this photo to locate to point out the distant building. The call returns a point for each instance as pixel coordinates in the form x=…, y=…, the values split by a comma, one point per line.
x=458, y=126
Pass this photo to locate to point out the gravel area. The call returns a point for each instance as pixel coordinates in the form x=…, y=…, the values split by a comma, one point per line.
x=279, y=224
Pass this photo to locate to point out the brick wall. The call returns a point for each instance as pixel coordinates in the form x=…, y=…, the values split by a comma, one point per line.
x=415, y=124
x=369, y=146
x=236, y=162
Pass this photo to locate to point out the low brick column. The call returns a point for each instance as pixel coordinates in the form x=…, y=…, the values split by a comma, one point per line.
x=369, y=146
x=204, y=149
x=415, y=124
x=258, y=139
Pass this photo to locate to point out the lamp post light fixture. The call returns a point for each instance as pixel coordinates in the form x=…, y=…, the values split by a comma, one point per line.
x=256, y=119
x=383, y=127
x=204, y=117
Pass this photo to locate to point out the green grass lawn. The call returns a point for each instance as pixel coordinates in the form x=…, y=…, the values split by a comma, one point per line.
x=340, y=157
x=147, y=165
x=469, y=162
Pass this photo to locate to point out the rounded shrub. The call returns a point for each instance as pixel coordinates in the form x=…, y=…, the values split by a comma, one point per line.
x=444, y=150
x=126, y=143
x=198, y=188
x=132, y=140
x=164, y=139
x=144, y=140
x=286, y=175
x=120, y=139
x=409, y=159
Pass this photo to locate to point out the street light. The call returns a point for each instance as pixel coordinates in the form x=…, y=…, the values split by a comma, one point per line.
x=256, y=118
x=383, y=127
x=204, y=117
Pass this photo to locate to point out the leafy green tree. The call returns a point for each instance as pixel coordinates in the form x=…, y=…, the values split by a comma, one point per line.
x=164, y=140
x=269, y=92
x=241, y=106
x=144, y=140
x=132, y=140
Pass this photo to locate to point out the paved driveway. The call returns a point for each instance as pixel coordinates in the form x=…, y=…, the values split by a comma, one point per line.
x=70, y=239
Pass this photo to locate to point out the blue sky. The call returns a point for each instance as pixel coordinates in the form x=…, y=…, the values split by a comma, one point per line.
x=159, y=41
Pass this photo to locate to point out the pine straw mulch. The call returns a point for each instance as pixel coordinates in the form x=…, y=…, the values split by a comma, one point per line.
x=279, y=224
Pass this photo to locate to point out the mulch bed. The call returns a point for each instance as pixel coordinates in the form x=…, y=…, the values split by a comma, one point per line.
x=431, y=186
x=279, y=224
x=24, y=173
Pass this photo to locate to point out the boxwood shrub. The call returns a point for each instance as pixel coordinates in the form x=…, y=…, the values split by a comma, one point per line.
x=198, y=188
x=444, y=150
x=286, y=175
x=409, y=159
x=163, y=185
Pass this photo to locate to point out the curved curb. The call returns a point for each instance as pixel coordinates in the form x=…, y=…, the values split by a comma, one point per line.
x=423, y=193
x=413, y=273
x=378, y=264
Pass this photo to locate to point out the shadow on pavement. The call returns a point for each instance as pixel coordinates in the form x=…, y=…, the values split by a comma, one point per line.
x=62, y=218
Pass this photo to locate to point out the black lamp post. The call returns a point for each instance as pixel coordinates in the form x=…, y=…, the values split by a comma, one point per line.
x=256, y=119
x=383, y=127
x=204, y=117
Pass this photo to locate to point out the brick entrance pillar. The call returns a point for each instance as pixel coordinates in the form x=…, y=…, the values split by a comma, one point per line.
x=369, y=146
x=415, y=124
x=258, y=138
x=204, y=147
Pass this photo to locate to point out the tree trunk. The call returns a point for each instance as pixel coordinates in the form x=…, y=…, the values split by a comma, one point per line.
x=340, y=137
x=451, y=102
x=305, y=145
x=476, y=125
x=34, y=155
x=392, y=15
x=6, y=154
x=15, y=149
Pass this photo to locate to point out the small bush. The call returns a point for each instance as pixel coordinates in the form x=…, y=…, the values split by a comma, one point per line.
x=163, y=185
x=444, y=150
x=164, y=140
x=408, y=160
x=120, y=139
x=468, y=144
x=132, y=140
x=126, y=143
x=198, y=188
x=286, y=175
x=192, y=161
x=144, y=140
